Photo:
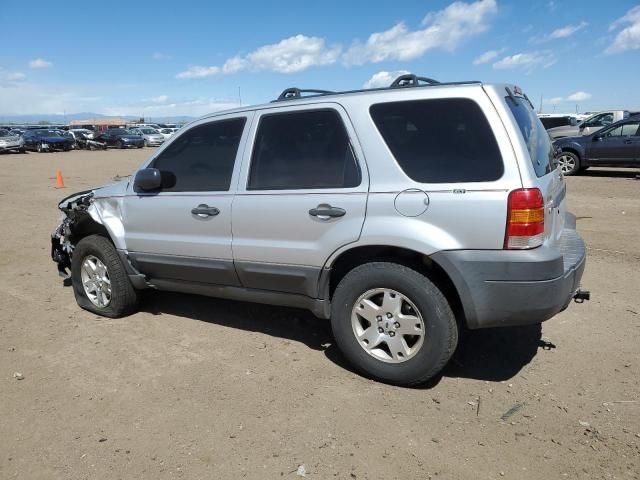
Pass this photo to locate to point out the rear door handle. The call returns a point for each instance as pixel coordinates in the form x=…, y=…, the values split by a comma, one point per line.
x=203, y=211
x=327, y=211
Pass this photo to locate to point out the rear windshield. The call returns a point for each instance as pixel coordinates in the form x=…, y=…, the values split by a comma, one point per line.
x=440, y=140
x=535, y=136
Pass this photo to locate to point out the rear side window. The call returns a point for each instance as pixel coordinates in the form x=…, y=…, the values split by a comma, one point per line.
x=202, y=158
x=440, y=141
x=302, y=150
x=535, y=136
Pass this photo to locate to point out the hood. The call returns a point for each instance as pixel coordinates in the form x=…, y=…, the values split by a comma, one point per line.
x=582, y=139
x=114, y=189
x=10, y=138
x=567, y=130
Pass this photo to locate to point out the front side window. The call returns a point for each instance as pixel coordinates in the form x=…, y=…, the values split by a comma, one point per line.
x=302, y=150
x=202, y=158
x=601, y=120
x=440, y=140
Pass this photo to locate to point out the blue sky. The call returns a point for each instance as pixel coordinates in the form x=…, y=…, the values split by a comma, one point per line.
x=189, y=58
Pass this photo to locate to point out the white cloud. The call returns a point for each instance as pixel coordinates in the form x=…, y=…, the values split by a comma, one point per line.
x=291, y=55
x=194, y=107
x=14, y=77
x=160, y=56
x=383, y=79
x=487, y=56
x=579, y=97
x=198, y=71
x=159, y=99
x=574, y=97
x=567, y=31
x=629, y=37
x=527, y=61
x=444, y=29
x=40, y=63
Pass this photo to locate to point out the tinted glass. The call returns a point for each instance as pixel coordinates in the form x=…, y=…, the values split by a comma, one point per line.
x=202, y=158
x=624, y=130
x=302, y=150
x=440, y=141
x=534, y=135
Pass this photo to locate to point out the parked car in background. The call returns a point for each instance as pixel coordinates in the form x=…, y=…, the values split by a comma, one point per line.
x=10, y=142
x=47, y=140
x=167, y=132
x=151, y=136
x=402, y=214
x=617, y=145
x=88, y=134
x=590, y=125
x=553, y=120
x=120, y=138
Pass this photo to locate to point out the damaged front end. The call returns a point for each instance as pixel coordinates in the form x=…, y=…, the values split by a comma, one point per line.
x=75, y=209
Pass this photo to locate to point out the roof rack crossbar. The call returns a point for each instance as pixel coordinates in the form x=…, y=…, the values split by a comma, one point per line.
x=291, y=93
x=411, y=80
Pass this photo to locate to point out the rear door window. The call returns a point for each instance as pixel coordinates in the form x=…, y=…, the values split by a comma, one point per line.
x=534, y=135
x=440, y=140
x=302, y=150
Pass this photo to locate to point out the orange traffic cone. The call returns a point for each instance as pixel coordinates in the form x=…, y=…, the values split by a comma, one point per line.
x=59, y=179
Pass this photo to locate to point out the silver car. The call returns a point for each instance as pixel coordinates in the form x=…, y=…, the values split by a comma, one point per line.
x=151, y=136
x=400, y=214
x=10, y=142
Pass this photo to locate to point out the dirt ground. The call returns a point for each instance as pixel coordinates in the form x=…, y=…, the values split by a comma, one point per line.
x=199, y=388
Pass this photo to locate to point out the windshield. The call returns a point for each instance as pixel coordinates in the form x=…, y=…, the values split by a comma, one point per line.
x=48, y=133
x=120, y=131
x=535, y=136
x=148, y=131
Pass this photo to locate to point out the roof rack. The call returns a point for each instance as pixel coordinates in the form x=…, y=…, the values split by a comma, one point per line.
x=294, y=93
x=403, y=81
x=410, y=80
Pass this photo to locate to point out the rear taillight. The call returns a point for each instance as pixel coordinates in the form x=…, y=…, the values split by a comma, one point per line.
x=525, y=219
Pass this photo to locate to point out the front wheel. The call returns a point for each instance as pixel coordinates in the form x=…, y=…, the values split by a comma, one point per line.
x=393, y=324
x=569, y=163
x=100, y=282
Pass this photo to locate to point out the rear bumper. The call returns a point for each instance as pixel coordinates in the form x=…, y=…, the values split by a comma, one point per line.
x=508, y=288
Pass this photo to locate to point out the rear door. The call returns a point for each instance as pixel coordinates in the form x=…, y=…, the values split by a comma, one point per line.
x=183, y=231
x=302, y=195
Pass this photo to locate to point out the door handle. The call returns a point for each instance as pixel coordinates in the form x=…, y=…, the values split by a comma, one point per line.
x=628, y=140
x=203, y=211
x=324, y=212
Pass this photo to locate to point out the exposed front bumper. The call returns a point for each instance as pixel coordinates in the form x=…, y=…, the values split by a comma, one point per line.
x=11, y=146
x=516, y=287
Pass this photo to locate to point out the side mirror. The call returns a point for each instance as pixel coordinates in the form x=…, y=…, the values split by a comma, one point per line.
x=597, y=138
x=147, y=179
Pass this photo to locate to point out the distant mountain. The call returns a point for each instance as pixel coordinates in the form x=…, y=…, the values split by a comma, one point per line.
x=64, y=119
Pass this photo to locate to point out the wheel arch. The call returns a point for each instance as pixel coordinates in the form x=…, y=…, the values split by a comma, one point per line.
x=422, y=263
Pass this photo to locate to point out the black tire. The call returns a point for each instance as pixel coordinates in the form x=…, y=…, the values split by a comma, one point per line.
x=39, y=148
x=569, y=163
x=124, y=298
x=440, y=326
x=23, y=150
x=121, y=144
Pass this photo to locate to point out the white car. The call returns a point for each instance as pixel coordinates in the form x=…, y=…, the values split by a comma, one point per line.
x=89, y=134
x=167, y=132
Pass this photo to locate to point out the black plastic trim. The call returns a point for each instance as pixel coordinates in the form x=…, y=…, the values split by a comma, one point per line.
x=296, y=279
x=192, y=269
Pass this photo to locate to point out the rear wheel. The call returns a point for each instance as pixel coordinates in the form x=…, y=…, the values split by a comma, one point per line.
x=121, y=144
x=100, y=282
x=569, y=163
x=393, y=324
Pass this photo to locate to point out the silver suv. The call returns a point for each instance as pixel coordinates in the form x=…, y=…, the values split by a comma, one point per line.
x=403, y=214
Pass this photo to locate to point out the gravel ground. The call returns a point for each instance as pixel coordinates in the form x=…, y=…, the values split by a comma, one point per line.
x=195, y=387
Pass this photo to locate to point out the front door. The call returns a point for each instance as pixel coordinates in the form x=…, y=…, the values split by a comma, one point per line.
x=302, y=195
x=617, y=145
x=183, y=231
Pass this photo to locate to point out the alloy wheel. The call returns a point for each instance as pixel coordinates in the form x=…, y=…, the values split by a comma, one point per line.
x=388, y=325
x=95, y=281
